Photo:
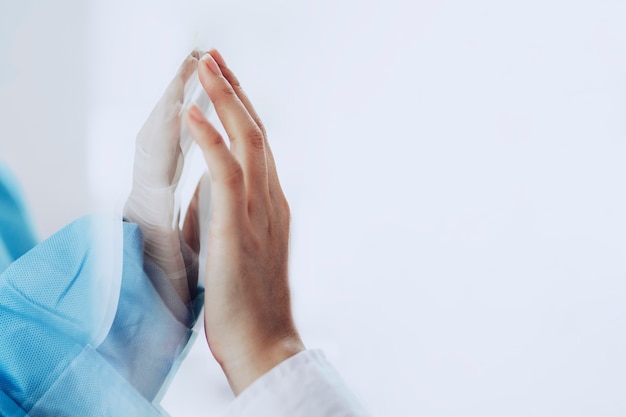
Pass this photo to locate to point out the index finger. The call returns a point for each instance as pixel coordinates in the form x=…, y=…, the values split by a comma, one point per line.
x=274, y=183
x=227, y=192
x=246, y=137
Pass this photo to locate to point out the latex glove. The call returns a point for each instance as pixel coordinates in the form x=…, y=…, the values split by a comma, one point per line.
x=197, y=222
x=159, y=159
x=248, y=319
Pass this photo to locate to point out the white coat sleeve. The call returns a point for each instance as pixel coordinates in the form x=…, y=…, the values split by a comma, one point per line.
x=305, y=385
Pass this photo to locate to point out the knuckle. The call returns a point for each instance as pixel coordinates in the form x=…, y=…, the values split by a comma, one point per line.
x=262, y=128
x=286, y=209
x=255, y=138
x=222, y=93
x=283, y=211
x=226, y=91
x=233, y=176
x=213, y=139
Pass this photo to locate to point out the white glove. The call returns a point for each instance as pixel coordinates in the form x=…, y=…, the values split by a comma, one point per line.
x=159, y=157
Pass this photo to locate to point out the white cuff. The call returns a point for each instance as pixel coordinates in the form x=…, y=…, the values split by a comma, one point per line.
x=304, y=385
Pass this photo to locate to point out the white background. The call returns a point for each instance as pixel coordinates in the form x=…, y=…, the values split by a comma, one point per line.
x=455, y=171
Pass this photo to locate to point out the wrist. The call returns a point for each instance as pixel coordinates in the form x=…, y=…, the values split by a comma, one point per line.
x=244, y=370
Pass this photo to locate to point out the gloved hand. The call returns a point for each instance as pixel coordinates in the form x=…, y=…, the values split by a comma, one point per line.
x=159, y=156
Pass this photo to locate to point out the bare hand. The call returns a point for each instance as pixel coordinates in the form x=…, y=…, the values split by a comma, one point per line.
x=248, y=320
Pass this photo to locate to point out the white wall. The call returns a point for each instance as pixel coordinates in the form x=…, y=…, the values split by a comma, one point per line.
x=455, y=170
x=43, y=106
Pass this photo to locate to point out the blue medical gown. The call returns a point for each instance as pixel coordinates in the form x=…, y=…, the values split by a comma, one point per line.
x=85, y=329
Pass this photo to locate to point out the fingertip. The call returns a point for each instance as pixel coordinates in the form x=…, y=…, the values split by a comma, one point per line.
x=201, y=130
x=194, y=114
x=196, y=53
x=188, y=67
x=210, y=64
x=217, y=57
x=194, y=56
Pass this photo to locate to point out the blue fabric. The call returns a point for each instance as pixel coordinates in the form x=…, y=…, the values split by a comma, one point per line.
x=90, y=387
x=8, y=407
x=146, y=338
x=55, y=298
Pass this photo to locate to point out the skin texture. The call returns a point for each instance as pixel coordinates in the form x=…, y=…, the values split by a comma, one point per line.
x=248, y=319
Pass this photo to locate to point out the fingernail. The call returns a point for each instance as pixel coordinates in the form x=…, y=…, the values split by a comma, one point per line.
x=195, y=113
x=218, y=57
x=211, y=64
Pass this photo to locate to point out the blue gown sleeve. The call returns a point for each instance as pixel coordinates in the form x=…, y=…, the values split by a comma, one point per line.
x=85, y=330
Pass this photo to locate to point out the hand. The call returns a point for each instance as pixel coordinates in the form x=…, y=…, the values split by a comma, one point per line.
x=248, y=320
x=157, y=167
